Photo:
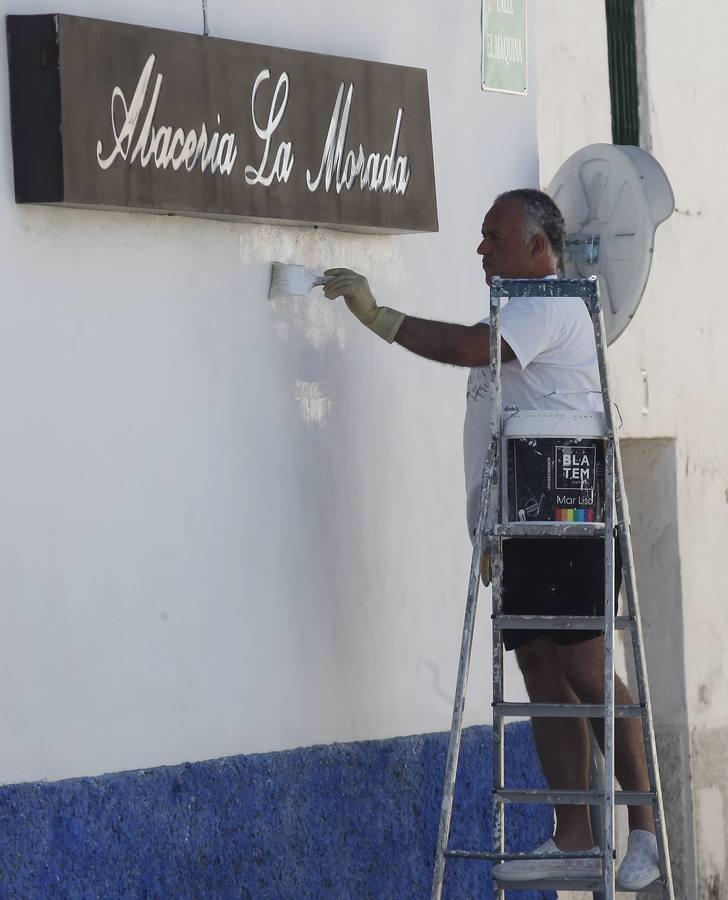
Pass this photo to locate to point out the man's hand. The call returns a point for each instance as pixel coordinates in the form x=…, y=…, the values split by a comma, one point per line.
x=354, y=288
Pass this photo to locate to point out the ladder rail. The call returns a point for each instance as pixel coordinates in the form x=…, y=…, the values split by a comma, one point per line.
x=608, y=811
x=498, y=728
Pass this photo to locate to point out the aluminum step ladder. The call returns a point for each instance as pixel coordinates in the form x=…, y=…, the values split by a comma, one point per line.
x=616, y=522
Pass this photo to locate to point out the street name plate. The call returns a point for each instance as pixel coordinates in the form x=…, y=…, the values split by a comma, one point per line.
x=505, y=46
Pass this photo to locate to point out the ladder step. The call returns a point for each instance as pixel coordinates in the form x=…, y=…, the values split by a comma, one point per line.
x=568, y=710
x=555, y=529
x=546, y=795
x=562, y=883
x=552, y=623
x=503, y=857
x=586, y=288
x=575, y=884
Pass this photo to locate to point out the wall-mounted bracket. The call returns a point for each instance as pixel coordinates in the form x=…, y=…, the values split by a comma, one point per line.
x=582, y=248
x=614, y=198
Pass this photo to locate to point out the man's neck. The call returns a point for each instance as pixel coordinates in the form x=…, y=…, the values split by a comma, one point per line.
x=549, y=272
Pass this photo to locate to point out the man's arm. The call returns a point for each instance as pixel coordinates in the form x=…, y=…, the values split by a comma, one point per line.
x=456, y=345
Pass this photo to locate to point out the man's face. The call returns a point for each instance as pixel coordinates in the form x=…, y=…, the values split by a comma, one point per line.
x=503, y=248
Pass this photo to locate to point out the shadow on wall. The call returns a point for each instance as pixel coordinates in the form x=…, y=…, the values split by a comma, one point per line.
x=342, y=821
x=650, y=472
x=711, y=796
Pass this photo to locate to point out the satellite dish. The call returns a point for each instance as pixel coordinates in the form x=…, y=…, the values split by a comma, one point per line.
x=612, y=198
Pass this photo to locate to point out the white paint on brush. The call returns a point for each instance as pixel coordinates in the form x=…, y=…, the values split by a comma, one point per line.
x=293, y=281
x=313, y=405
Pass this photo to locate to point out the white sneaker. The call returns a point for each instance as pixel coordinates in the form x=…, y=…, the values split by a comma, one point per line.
x=537, y=869
x=641, y=863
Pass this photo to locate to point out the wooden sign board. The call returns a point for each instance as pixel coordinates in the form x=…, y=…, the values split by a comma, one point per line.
x=113, y=116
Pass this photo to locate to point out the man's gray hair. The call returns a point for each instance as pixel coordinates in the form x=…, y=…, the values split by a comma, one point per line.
x=542, y=217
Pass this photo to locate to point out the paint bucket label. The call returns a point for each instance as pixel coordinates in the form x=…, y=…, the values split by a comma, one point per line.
x=555, y=479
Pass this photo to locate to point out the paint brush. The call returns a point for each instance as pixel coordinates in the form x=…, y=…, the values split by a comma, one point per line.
x=293, y=281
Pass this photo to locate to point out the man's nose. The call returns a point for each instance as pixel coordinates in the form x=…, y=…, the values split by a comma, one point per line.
x=481, y=248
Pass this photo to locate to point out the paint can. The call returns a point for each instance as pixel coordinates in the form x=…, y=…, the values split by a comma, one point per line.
x=553, y=466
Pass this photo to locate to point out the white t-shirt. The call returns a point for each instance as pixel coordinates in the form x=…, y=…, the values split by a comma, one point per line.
x=555, y=368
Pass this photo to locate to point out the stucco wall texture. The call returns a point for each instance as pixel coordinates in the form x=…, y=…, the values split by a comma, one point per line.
x=342, y=821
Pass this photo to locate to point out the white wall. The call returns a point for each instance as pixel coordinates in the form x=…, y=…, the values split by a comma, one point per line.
x=227, y=526
x=688, y=133
x=573, y=73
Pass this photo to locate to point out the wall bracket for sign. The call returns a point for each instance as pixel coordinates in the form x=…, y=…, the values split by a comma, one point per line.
x=113, y=116
x=205, y=23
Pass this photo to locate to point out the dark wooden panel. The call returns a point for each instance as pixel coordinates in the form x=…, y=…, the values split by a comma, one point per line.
x=188, y=85
x=35, y=108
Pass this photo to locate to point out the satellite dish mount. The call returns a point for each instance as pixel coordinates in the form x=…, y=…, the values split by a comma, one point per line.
x=612, y=199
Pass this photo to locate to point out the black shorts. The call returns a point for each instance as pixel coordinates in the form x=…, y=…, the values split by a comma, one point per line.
x=555, y=577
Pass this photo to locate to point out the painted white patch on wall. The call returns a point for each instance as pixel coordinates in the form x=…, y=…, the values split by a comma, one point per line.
x=313, y=404
x=282, y=329
x=316, y=319
x=319, y=321
x=322, y=248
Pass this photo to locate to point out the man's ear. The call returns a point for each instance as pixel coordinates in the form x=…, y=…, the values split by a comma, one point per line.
x=538, y=246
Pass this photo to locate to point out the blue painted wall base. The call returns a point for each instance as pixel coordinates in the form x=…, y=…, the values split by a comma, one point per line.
x=345, y=821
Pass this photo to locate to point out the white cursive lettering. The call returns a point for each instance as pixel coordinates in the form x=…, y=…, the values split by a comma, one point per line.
x=388, y=173
x=163, y=145
x=283, y=163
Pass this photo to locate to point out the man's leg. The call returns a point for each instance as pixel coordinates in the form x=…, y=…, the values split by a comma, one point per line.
x=562, y=744
x=583, y=666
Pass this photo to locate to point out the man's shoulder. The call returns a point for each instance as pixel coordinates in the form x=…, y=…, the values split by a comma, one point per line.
x=542, y=308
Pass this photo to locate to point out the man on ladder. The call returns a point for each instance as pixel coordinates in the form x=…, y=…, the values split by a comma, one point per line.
x=550, y=362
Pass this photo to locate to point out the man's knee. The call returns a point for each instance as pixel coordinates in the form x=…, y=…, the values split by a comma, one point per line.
x=583, y=666
x=540, y=667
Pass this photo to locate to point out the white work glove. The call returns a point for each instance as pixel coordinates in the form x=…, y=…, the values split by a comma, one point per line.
x=354, y=288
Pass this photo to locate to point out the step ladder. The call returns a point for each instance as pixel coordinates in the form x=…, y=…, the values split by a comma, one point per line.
x=616, y=523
